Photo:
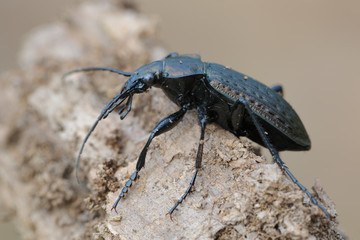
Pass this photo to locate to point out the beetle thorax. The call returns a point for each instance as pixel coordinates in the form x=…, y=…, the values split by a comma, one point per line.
x=179, y=90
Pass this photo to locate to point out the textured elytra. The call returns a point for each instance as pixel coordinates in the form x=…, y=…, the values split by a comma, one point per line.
x=265, y=102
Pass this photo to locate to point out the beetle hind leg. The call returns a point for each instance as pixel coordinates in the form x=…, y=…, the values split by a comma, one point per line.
x=277, y=158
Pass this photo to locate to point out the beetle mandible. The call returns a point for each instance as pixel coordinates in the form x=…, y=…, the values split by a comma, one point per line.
x=220, y=95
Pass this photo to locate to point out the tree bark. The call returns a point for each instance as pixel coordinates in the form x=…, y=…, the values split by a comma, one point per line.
x=45, y=117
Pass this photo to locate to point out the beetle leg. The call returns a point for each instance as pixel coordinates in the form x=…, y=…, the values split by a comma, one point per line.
x=276, y=156
x=197, y=165
x=278, y=89
x=237, y=111
x=163, y=126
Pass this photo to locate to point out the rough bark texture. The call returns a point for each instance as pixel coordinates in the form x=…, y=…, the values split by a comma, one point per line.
x=44, y=119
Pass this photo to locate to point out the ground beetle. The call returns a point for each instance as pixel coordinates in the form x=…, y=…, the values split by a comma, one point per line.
x=220, y=95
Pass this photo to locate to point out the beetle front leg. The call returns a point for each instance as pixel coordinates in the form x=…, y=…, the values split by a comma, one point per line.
x=163, y=126
x=276, y=156
x=197, y=165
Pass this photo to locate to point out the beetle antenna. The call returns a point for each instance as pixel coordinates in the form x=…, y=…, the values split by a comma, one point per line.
x=105, y=112
x=127, y=74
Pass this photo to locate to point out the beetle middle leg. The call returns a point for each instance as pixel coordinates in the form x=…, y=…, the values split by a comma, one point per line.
x=276, y=156
x=203, y=121
x=163, y=126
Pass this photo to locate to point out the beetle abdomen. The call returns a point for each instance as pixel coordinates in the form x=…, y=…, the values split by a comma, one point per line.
x=265, y=102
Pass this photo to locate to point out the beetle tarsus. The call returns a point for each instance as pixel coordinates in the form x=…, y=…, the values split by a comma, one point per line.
x=126, y=188
x=197, y=164
x=192, y=182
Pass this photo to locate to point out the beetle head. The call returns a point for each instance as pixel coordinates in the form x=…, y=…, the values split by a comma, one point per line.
x=138, y=83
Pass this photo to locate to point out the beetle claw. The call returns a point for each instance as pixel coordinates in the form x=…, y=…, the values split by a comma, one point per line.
x=170, y=215
x=113, y=208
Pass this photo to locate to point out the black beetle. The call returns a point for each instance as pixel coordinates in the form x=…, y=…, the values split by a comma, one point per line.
x=220, y=95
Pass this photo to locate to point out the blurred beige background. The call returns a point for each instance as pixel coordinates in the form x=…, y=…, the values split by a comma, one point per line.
x=311, y=47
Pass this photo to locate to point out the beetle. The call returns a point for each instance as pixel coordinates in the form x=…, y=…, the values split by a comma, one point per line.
x=220, y=95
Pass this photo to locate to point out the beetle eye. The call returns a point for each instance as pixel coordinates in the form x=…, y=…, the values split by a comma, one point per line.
x=148, y=78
